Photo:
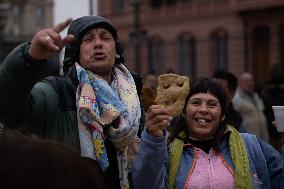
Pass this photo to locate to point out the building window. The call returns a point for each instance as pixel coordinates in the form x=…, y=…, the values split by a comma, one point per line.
x=186, y=46
x=17, y=20
x=40, y=17
x=170, y=2
x=118, y=6
x=281, y=42
x=261, y=53
x=220, y=50
x=203, y=2
x=156, y=3
x=4, y=11
x=156, y=54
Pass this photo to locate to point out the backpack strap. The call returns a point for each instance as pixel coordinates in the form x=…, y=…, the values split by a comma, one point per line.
x=138, y=82
x=66, y=94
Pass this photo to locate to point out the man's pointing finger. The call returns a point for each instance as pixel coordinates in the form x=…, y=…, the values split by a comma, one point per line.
x=62, y=25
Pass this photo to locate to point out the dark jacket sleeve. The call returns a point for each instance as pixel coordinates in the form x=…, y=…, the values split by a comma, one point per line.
x=18, y=74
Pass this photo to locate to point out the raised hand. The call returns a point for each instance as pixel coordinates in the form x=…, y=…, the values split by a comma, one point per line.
x=48, y=42
x=157, y=119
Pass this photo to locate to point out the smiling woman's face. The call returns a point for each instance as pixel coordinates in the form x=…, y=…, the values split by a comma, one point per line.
x=203, y=115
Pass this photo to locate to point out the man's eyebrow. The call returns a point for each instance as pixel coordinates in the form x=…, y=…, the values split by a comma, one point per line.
x=104, y=32
x=88, y=33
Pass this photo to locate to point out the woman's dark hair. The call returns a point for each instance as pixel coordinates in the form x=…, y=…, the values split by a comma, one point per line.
x=206, y=85
x=200, y=85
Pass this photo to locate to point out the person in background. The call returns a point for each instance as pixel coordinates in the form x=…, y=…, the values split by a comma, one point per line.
x=248, y=103
x=151, y=81
x=94, y=109
x=273, y=95
x=149, y=90
x=204, y=152
x=229, y=82
x=30, y=162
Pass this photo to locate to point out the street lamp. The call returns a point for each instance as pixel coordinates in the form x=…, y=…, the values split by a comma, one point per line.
x=4, y=7
x=136, y=33
x=91, y=10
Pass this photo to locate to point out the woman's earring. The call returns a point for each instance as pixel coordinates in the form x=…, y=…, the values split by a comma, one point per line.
x=117, y=56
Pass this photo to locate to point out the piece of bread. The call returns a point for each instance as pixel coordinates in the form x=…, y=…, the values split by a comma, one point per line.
x=172, y=91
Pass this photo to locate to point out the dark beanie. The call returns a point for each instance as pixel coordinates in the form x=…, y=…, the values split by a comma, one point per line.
x=79, y=27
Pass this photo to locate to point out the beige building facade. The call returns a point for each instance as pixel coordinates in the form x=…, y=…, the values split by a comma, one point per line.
x=21, y=19
x=197, y=37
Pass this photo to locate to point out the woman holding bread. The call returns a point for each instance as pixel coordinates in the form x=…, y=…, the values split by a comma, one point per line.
x=203, y=152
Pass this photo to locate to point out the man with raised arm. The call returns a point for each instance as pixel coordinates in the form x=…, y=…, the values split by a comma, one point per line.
x=94, y=108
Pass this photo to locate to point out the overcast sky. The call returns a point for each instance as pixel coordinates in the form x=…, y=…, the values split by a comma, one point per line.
x=64, y=9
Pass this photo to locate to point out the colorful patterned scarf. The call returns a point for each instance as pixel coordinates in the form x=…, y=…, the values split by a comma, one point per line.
x=98, y=106
x=238, y=154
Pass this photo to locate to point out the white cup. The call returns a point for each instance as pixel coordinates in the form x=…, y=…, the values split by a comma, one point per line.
x=279, y=117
